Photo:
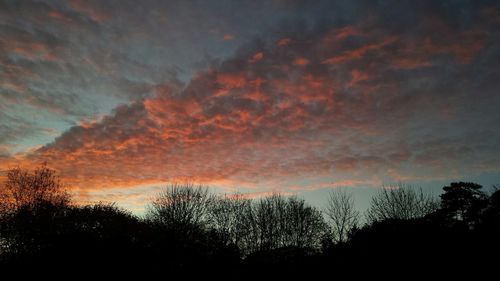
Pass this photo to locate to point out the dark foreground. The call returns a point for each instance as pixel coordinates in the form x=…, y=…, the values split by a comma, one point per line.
x=83, y=240
x=189, y=233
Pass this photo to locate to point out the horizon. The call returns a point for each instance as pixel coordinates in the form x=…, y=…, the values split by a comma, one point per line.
x=122, y=98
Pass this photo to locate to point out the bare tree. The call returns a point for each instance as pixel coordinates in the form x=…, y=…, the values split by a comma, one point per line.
x=27, y=192
x=341, y=214
x=401, y=202
x=180, y=206
x=28, y=189
x=268, y=214
x=228, y=218
x=276, y=221
x=303, y=224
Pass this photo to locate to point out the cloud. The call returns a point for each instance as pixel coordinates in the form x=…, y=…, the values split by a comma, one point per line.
x=301, y=61
x=360, y=52
x=248, y=121
x=257, y=57
x=228, y=37
x=411, y=63
x=359, y=100
x=284, y=41
x=96, y=12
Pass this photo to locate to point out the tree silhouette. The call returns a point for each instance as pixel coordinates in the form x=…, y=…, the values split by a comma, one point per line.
x=27, y=194
x=463, y=202
x=491, y=216
x=341, y=213
x=28, y=189
x=401, y=202
x=181, y=207
x=227, y=217
x=189, y=231
x=304, y=224
x=276, y=222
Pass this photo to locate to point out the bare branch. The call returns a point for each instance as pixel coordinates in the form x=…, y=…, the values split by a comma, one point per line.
x=401, y=202
x=341, y=213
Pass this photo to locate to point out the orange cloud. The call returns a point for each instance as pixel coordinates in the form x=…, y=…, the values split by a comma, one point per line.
x=13, y=86
x=32, y=50
x=358, y=76
x=338, y=34
x=360, y=52
x=228, y=37
x=301, y=61
x=464, y=47
x=411, y=62
x=94, y=12
x=231, y=81
x=56, y=15
x=171, y=132
x=283, y=42
x=257, y=57
x=248, y=122
x=347, y=31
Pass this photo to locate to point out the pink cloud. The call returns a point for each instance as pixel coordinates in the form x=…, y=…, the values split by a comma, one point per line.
x=301, y=61
x=95, y=12
x=228, y=37
x=308, y=111
x=257, y=57
x=283, y=42
x=360, y=52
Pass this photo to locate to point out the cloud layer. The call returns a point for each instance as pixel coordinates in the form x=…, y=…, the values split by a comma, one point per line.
x=380, y=95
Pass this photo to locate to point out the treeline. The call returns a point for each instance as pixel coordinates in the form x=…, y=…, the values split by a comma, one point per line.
x=188, y=229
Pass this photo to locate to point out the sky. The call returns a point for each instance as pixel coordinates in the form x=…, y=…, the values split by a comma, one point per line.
x=124, y=97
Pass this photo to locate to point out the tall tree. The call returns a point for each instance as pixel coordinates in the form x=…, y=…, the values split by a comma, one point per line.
x=303, y=224
x=464, y=202
x=341, y=213
x=228, y=218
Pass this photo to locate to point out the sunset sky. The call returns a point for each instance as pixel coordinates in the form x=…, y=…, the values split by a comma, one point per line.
x=123, y=97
